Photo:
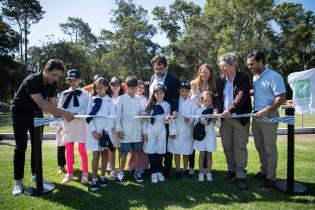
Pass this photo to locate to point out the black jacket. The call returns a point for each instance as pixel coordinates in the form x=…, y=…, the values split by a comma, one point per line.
x=241, y=96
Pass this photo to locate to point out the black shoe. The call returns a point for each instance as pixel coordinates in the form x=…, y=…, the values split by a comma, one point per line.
x=268, y=185
x=138, y=176
x=103, y=181
x=120, y=178
x=186, y=174
x=260, y=176
x=229, y=175
x=241, y=183
x=178, y=175
x=94, y=186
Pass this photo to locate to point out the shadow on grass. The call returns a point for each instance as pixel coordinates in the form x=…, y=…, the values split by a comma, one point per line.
x=185, y=193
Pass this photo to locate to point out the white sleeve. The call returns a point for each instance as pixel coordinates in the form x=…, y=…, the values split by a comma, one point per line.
x=118, y=113
x=111, y=121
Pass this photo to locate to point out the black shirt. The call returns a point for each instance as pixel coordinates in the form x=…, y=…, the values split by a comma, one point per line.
x=33, y=84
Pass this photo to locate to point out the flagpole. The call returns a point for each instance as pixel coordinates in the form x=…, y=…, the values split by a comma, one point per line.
x=289, y=186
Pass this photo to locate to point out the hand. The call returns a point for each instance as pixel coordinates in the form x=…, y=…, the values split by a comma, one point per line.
x=175, y=114
x=145, y=137
x=168, y=118
x=260, y=114
x=96, y=135
x=120, y=135
x=204, y=122
x=226, y=114
x=187, y=120
x=68, y=116
x=172, y=136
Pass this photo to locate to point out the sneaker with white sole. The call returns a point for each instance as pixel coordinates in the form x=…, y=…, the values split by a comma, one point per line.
x=94, y=185
x=112, y=176
x=201, y=177
x=191, y=171
x=121, y=177
x=160, y=177
x=67, y=179
x=209, y=177
x=85, y=178
x=154, y=178
x=18, y=187
x=103, y=181
x=138, y=177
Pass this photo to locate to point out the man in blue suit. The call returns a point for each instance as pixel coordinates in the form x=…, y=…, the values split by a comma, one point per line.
x=171, y=82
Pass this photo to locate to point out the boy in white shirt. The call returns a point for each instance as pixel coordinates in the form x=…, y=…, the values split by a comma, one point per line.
x=128, y=128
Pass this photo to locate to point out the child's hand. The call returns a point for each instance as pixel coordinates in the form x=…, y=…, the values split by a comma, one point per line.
x=187, y=120
x=96, y=135
x=173, y=136
x=204, y=122
x=145, y=137
x=168, y=118
x=120, y=135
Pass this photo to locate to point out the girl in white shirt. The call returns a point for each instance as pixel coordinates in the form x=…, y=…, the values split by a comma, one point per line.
x=100, y=104
x=75, y=100
x=155, y=131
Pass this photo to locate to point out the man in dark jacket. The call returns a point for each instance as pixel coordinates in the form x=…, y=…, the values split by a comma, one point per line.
x=171, y=82
x=233, y=98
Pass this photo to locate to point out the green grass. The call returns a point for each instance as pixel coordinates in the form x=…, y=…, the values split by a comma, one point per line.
x=181, y=194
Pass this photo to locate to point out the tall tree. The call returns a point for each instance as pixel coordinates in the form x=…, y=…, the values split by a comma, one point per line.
x=130, y=48
x=79, y=31
x=24, y=13
x=11, y=71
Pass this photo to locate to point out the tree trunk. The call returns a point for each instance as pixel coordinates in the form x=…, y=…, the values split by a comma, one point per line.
x=25, y=37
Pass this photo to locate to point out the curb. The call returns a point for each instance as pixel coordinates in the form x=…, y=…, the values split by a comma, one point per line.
x=281, y=131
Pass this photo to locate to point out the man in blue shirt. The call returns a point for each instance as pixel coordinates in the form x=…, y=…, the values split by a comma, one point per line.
x=269, y=94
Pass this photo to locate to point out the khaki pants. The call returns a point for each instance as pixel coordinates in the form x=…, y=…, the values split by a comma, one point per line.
x=265, y=137
x=234, y=139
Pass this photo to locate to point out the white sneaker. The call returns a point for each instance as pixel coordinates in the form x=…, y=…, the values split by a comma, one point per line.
x=84, y=178
x=209, y=177
x=201, y=177
x=154, y=178
x=160, y=177
x=191, y=171
x=112, y=176
x=18, y=187
x=67, y=179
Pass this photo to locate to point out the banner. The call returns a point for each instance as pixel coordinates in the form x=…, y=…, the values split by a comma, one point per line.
x=303, y=86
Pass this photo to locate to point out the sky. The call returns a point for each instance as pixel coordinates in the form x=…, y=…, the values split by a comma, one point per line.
x=97, y=14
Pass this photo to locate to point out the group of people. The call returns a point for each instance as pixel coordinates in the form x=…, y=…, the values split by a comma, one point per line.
x=156, y=126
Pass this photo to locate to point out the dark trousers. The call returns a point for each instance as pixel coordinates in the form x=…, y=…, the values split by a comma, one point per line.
x=168, y=157
x=22, y=122
x=191, y=161
x=61, y=157
x=155, y=162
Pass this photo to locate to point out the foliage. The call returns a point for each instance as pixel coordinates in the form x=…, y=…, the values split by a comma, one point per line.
x=24, y=13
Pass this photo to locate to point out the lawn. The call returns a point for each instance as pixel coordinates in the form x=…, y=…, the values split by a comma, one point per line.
x=173, y=194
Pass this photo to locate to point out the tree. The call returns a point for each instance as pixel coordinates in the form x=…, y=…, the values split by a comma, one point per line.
x=11, y=71
x=24, y=13
x=73, y=55
x=130, y=48
x=79, y=31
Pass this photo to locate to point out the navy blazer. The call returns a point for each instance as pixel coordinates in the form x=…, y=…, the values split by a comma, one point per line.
x=241, y=96
x=172, y=86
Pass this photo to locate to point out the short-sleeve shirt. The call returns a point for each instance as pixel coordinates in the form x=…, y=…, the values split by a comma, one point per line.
x=33, y=84
x=267, y=86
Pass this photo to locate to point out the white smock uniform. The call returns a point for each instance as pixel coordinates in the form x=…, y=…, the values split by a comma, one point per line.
x=157, y=132
x=208, y=144
x=99, y=124
x=183, y=143
x=126, y=108
x=76, y=130
x=114, y=139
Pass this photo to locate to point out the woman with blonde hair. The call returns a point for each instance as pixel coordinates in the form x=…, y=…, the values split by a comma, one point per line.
x=204, y=81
